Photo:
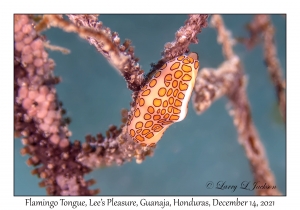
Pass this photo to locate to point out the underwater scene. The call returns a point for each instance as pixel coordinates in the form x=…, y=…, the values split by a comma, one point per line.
x=200, y=155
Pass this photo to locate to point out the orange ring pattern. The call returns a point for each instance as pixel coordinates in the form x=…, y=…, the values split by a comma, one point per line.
x=160, y=102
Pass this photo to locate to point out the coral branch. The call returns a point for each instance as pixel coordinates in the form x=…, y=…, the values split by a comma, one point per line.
x=229, y=79
x=212, y=84
x=107, y=44
x=262, y=25
x=273, y=65
x=186, y=35
x=56, y=48
x=249, y=138
x=120, y=56
x=38, y=116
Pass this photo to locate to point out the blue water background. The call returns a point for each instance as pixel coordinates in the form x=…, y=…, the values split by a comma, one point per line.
x=199, y=149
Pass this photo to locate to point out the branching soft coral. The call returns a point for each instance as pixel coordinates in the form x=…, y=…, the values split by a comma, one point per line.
x=39, y=119
x=229, y=80
x=38, y=113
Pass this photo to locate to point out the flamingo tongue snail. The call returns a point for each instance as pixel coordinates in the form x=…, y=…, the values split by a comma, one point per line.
x=163, y=100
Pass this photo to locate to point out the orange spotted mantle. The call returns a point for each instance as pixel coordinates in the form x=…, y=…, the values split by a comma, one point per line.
x=163, y=100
